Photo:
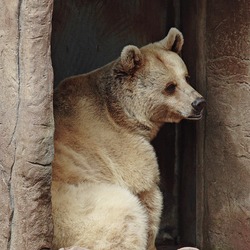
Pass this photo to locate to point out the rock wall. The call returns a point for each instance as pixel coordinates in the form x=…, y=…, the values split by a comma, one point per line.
x=26, y=124
x=227, y=126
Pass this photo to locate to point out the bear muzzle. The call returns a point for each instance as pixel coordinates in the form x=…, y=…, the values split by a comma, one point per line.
x=198, y=107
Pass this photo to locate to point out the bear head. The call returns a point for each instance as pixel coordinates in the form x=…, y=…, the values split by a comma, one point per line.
x=152, y=83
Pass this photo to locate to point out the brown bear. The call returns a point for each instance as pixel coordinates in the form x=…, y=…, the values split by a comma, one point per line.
x=105, y=191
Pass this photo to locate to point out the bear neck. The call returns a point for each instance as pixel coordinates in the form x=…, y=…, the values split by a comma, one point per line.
x=96, y=97
x=110, y=91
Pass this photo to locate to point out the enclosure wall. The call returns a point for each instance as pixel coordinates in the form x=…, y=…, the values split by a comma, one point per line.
x=26, y=124
x=227, y=126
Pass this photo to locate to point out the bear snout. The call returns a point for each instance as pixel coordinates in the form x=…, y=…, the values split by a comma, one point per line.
x=199, y=104
x=198, y=107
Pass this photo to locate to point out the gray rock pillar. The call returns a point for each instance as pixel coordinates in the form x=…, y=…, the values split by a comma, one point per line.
x=227, y=126
x=26, y=124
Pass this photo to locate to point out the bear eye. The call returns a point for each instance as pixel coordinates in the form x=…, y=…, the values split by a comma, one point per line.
x=187, y=78
x=170, y=88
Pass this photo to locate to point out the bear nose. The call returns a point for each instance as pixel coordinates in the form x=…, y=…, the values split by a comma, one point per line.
x=199, y=104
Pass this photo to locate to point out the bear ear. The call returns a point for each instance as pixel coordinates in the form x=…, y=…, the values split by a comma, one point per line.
x=131, y=58
x=173, y=41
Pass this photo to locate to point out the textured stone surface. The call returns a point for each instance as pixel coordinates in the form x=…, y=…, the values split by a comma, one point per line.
x=227, y=141
x=26, y=124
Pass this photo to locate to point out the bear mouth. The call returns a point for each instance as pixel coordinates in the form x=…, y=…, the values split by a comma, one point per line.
x=195, y=116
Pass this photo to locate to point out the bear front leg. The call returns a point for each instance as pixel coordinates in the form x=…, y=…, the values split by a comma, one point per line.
x=152, y=200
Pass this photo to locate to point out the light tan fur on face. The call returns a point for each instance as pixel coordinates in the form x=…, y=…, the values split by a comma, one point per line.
x=105, y=193
x=168, y=68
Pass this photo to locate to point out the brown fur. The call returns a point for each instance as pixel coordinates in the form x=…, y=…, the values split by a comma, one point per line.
x=105, y=191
